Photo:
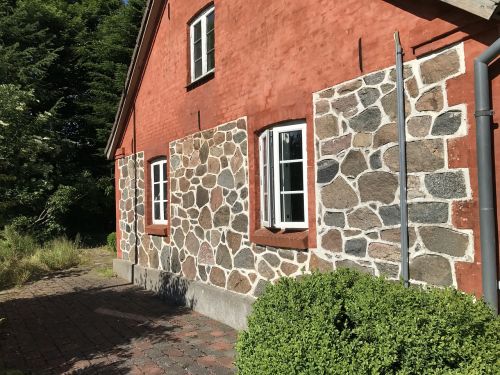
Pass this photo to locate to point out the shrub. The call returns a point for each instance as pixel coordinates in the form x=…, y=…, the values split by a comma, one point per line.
x=349, y=323
x=59, y=254
x=111, y=241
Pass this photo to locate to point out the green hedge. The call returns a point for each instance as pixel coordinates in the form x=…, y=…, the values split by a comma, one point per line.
x=349, y=323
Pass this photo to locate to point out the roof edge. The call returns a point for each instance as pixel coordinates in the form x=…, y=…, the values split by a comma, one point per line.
x=147, y=32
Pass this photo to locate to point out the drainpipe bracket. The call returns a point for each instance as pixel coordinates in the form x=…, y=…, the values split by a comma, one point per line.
x=485, y=112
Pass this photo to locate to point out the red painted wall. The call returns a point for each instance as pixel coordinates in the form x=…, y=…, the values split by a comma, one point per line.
x=272, y=55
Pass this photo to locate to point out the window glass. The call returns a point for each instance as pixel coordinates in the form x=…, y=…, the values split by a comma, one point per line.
x=203, y=44
x=159, y=187
x=282, y=157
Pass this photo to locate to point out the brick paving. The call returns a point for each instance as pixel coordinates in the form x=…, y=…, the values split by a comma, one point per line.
x=78, y=322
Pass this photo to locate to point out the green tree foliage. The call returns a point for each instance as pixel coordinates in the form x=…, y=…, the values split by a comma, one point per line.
x=62, y=68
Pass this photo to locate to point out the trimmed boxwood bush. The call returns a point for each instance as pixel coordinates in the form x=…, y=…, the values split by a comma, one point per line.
x=350, y=323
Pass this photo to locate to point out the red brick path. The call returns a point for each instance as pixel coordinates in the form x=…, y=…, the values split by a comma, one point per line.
x=78, y=322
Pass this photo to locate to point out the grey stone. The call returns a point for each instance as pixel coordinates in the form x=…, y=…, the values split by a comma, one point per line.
x=354, y=163
x=200, y=170
x=226, y=179
x=221, y=217
x=349, y=87
x=390, y=214
x=192, y=243
x=422, y=156
x=334, y=219
x=394, y=235
x=202, y=272
x=356, y=247
x=238, y=283
x=412, y=87
x=366, y=121
x=384, y=251
x=447, y=185
x=176, y=264
x=204, y=152
x=419, y=126
x=240, y=136
x=201, y=196
x=368, y=95
x=179, y=238
x=387, y=133
x=188, y=199
x=327, y=170
x=205, y=218
x=285, y=254
x=431, y=269
x=334, y=146
x=363, y=218
x=231, y=197
x=339, y=195
x=346, y=105
x=431, y=100
x=223, y=257
x=326, y=126
x=272, y=259
x=428, y=212
x=260, y=288
x=265, y=271
x=386, y=87
x=322, y=107
x=444, y=240
x=240, y=223
x=378, y=186
x=376, y=160
x=447, y=123
x=346, y=263
x=332, y=240
x=440, y=67
x=407, y=73
x=244, y=259
x=374, y=78
x=389, y=104
x=236, y=208
x=388, y=270
x=328, y=93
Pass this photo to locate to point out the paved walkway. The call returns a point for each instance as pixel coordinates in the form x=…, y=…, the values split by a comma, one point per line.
x=81, y=323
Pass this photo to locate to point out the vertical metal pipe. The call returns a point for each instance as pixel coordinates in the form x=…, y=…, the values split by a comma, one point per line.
x=402, y=160
x=486, y=185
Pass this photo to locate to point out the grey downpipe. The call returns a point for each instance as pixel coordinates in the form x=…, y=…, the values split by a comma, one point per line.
x=487, y=217
x=402, y=161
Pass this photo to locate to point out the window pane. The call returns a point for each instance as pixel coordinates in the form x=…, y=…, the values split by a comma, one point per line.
x=210, y=41
x=165, y=207
x=157, y=211
x=164, y=171
x=210, y=60
x=210, y=22
x=197, y=31
x=197, y=68
x=164, y=191
x=290, y=145
x=292, y=207
x=291, y=176
x=156, y=173
x=197, y=50
x=156, y=192
x=266, y=208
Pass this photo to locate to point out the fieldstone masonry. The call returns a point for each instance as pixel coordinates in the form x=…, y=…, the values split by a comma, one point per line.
x=357, y=161
x=357, y=190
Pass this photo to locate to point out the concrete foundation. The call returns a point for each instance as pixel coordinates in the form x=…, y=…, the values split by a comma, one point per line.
x=221, y=305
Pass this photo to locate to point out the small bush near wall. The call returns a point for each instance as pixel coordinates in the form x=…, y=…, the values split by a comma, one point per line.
x=349, y=323
x=111, y=241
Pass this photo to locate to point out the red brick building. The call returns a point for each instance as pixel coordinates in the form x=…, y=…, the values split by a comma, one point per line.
x=258, y=139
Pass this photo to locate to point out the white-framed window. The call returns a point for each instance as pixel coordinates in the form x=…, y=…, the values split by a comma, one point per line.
x=283, y=176
x=202, y=44
x=159, y=201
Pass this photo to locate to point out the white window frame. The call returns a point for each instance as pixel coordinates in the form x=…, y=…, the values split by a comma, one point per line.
x=163, y=194
x=273, y=176
x=202, y=18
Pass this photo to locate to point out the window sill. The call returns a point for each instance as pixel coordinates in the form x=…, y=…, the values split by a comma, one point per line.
x=157, y=230
x=291, y=239
x=201, y=80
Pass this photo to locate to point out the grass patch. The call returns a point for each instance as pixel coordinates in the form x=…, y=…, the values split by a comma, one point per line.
x=22, y=259
x=106, y=272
